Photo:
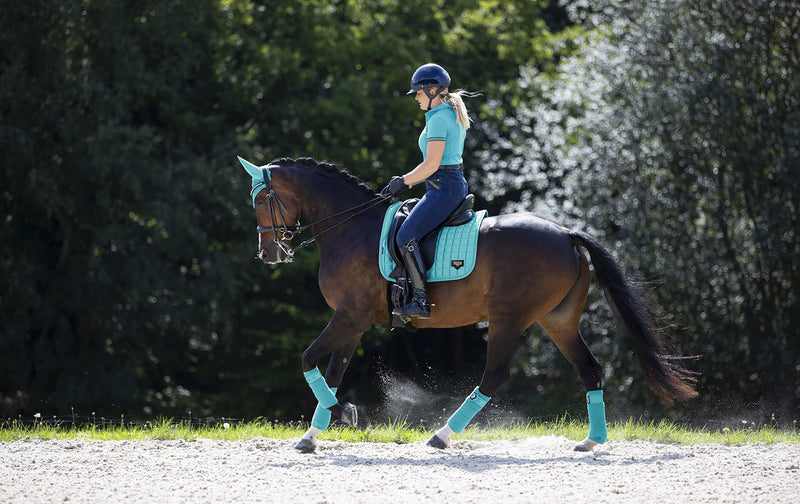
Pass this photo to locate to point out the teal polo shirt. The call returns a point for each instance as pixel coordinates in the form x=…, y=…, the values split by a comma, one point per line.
x=441, y=124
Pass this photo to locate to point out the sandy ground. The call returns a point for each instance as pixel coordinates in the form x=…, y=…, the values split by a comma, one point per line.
x=539, y=470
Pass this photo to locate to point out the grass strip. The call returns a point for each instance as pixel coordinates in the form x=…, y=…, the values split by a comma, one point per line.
x=398, y=431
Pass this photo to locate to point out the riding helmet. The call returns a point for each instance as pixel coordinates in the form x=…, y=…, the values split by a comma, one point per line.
x=429, y=76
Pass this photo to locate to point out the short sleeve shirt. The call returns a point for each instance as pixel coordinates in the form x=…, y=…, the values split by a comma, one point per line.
x=441, y=124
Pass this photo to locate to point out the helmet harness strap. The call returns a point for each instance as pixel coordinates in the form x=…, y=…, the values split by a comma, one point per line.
x=432, y=93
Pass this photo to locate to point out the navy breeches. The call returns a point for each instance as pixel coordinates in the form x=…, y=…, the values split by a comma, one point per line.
x=444, y=191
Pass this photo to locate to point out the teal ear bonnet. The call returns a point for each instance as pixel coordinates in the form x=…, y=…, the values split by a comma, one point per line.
x=258, y=177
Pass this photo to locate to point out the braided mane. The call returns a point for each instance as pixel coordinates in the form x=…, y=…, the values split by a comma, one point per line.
x=313, y=164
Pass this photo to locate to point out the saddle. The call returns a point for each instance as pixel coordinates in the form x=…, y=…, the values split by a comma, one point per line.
x=400, y=289
x=427, y=243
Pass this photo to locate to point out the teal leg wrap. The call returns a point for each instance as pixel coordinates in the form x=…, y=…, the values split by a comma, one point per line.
x=472, y=405
x=322, y=416
x=321, y=391
x=597, y=416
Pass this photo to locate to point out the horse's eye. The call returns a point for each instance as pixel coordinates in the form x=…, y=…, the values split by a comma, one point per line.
x=260, y=204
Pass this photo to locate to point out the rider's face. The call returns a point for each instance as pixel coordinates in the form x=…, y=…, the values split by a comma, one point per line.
x=422, y=99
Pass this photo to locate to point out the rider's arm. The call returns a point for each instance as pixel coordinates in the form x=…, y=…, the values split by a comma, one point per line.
x=433, y=158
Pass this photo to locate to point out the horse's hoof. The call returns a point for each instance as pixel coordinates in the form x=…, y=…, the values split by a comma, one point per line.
x=306, y=445
x=586, y=445
x=437, y=442
x=349, y=415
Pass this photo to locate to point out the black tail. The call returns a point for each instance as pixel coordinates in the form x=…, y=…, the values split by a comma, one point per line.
x=664, y=373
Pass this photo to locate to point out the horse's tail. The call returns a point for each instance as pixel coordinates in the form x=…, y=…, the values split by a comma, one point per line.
x=664, y=372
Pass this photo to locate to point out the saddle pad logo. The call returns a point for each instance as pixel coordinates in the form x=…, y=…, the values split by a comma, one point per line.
x=457, y=263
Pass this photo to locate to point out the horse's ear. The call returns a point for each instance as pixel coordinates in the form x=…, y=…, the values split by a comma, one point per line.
x=252, y=169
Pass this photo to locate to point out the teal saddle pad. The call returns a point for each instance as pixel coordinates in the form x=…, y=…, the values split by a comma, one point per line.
x=456, y=249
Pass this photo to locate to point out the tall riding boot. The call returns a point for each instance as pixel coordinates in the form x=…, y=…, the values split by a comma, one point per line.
x=418, y=307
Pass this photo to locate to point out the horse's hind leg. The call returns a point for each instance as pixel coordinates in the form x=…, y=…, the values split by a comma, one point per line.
x=574, y=348
x=562, y=326
x=503, y=337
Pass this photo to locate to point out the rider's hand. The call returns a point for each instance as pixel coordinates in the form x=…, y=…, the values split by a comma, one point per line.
x=394, y=187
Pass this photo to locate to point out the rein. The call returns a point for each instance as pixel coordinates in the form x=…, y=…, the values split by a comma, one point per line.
x=277, y=206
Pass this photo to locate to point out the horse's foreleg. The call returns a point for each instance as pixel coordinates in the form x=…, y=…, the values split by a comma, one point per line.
x=337, y=365
x=463, y=415
x=498, y=364
x=342, y=331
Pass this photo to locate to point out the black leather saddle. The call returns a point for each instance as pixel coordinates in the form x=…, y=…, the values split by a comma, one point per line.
x=459, y=216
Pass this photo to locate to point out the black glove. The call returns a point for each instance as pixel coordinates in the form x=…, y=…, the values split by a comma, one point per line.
x=394, y=187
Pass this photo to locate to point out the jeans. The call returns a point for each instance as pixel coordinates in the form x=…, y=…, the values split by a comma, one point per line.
x=444, y=191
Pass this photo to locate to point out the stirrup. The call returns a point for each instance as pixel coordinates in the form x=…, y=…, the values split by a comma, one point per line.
x=418, y=307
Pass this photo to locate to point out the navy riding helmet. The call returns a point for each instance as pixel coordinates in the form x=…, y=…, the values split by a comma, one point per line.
x=432, y=79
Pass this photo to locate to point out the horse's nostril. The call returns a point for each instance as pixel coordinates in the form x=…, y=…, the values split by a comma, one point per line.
x=268, y=257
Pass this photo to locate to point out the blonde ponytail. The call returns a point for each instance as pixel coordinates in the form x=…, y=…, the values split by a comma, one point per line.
x=456, y=99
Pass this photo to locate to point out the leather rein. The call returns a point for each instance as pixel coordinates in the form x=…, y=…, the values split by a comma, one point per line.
x=287, y=233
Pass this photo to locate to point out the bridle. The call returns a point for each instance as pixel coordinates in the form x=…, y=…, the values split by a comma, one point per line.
x=276, y=207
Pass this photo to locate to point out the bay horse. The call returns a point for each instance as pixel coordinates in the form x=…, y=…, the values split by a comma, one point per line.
x=528, y=270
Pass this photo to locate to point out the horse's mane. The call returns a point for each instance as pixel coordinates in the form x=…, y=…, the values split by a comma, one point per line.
x=313, y=164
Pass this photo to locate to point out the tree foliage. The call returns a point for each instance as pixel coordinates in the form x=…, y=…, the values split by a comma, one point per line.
x=127, y=279
x=128, y=283
x=673, y=135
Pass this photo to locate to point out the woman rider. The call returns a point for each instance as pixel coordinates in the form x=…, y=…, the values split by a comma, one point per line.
x=442, y=145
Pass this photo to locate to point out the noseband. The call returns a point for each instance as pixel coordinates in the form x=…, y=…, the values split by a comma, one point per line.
x=276, y=206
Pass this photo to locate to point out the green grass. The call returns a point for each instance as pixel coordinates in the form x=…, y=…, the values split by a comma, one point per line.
x=394, y=432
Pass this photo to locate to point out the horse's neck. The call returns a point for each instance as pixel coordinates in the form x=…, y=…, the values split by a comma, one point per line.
x=321, y=197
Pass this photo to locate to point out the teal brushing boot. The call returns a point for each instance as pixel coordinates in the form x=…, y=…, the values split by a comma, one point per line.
x=347, y=413
x=319, y=423
x=471, y=406
x=598, y=432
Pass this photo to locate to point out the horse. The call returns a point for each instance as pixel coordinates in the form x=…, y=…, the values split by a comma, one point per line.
x=528, y=270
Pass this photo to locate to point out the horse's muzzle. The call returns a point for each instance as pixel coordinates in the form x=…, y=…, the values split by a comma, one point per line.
x=266, y=257
x=274, y=254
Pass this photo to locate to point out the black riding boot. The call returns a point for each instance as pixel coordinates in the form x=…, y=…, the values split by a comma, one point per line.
x=418, y=307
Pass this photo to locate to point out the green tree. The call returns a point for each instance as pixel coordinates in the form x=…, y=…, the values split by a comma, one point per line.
x=113, y=204
x=128, y=283
x=673, y=136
